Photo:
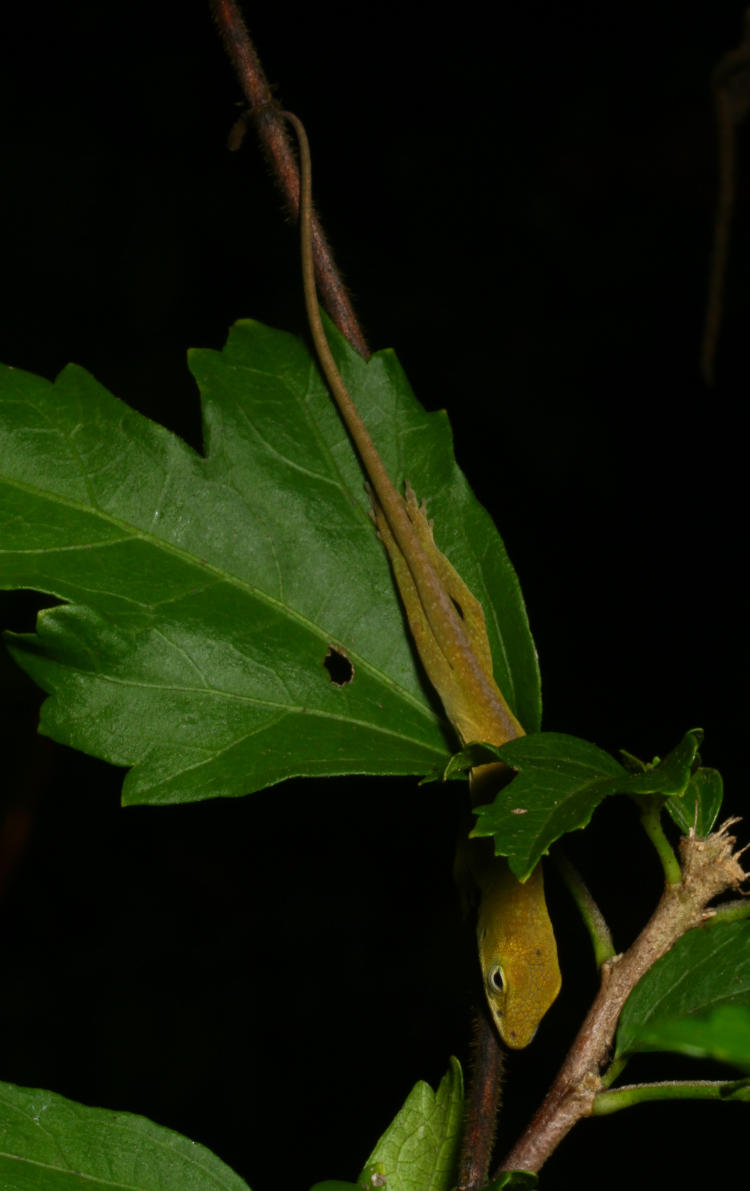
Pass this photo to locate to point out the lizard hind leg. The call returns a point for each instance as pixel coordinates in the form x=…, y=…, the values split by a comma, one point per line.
x=464, y=600
x=472, y=701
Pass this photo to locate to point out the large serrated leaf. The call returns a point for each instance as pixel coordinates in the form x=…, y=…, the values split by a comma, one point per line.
x=48, y=1143
x=204, y=596
x=696, y=999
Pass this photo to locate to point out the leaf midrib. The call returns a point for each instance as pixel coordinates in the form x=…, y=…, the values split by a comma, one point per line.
x=133, y=533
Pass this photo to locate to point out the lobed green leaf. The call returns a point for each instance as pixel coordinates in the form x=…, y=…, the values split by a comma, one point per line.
x=559, y=784
x=206, y=598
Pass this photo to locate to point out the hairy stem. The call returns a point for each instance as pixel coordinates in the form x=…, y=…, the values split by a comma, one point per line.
x=644, y=1093
x=732, y=911
x=482, y=1105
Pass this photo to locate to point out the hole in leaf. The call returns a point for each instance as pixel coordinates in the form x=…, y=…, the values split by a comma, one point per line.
x=458, y=607
x=340, y=670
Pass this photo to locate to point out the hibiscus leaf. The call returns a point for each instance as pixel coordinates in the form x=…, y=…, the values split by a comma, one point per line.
x=231, y=621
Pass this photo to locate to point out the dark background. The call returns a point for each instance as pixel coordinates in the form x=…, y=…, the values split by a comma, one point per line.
x=523, y=210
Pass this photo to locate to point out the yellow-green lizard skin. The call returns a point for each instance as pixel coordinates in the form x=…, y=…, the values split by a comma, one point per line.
x=517, y=950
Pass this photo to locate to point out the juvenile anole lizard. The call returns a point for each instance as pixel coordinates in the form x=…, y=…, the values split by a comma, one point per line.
x=517, y=950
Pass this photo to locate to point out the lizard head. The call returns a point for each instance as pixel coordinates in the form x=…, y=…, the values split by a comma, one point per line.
x=517, y=953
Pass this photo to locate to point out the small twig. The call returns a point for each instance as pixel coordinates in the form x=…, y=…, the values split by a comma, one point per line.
x=650, y=809
x=677, y=1089
x=271, y=129
x=709, y=866
x=593, y=919
x=614, y=1071
x=733, y=911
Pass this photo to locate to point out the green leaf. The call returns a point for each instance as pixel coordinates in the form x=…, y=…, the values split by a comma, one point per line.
x=696, y=999
x=473, y=754
x=419, y=1149
x=561, y=780
x=699, y=808
x=722, y=1033
x=335, y=1185
x=53, y=1144
x=739, y=1090
x=513, y=1180
x=671, y=776
x=205, y=595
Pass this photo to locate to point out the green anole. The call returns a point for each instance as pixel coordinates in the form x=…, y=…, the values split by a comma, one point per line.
x=517, y=950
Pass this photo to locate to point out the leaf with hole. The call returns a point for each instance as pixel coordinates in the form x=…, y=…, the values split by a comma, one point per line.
x=230, y=621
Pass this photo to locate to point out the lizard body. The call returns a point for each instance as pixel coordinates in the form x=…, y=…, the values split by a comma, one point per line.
x=515, y=940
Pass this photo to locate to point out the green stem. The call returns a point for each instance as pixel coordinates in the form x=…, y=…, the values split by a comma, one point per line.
x=643, y=1093
x=732, y=911
x=593, y=919
x=613, y=1071
x=651, y=821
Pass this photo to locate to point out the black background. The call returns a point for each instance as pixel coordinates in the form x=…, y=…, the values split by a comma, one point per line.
x=521, y=200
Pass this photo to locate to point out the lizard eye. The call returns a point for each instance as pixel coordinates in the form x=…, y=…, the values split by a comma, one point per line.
x=496, y=979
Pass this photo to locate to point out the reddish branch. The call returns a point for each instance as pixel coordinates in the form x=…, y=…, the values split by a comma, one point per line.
x=482, y=1105
x=270, y=126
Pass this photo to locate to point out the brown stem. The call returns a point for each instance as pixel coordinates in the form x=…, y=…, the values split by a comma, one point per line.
x=482, y=1105
x=709, y=866
x=271, y=129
